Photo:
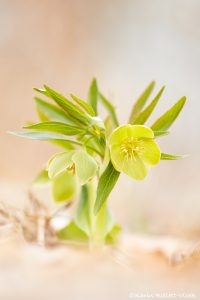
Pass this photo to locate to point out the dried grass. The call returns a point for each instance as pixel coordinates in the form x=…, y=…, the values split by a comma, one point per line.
x=34, y=224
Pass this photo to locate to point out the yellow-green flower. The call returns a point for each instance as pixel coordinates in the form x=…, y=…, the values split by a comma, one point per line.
x=133, y=150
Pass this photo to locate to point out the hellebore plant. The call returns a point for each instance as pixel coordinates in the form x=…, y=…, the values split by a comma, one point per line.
x=94, y=154
x=133, y=149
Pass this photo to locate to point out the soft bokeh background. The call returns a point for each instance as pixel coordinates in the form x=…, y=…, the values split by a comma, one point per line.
x=125, y=44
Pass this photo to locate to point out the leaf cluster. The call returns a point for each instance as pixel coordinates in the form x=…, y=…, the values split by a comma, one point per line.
x=74, y=125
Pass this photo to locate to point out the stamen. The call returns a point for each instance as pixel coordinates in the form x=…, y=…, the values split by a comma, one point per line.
x=71, y=168
x=131, y=146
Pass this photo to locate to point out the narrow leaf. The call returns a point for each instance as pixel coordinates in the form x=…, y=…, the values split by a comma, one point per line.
x=111, y=109
x=50, y=112
x=166, y=156
x=139, y=104
x=109, y=126
x=167, y=119
x=145, y=114
x=93, y=143
x=63, y=101
x=93, y=95
x=54, y=138
x=67, y=144
x=51, y=137
x=41, y=115
x=106, y=183
x=42, y=136
x=63, y=144
x=87, y=107
x=65, y=104
x=57, y=127
x=160, y=133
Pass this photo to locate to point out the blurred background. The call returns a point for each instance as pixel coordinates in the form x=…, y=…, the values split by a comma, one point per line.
x=125, y=44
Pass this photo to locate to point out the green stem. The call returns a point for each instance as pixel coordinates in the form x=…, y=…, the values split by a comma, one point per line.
x=91, y=201
x=101, y=223
x=95, y=226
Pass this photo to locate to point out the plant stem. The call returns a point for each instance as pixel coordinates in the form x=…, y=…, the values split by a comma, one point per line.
x=95, y=226
x=101, y=223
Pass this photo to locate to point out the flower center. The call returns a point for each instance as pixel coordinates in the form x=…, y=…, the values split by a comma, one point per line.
x=131, y=146
x=71, y=168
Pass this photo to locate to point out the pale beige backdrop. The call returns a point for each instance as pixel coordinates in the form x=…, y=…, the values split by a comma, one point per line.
x=125, y=44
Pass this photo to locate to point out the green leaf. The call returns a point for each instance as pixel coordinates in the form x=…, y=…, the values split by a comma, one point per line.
x=113, y=236
x=42, y=177
x=160, y=133
x=41, y=115
x=87, y=107
x=106, y=183
x=139, y=104
x=100, y=143
x=64, y=187
x=72, y=232
x=63, y=144
x=52, y=137
x=166, y=156
x=42, y=136
x=103, y=222
x=56, y=127
x=110, y=108
x=67, y=144
x=96, y=226
x=85, y=166
x=49, y=112
x=92, y=143
x=82, y=217
x=65, y=104
x=145, y=114
x=109, y=126
x=93, y=95
x=167, y=119
x=59, y=162
x=73, y=110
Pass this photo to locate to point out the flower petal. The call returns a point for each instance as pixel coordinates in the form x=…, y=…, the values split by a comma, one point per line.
x=59, y=162
x=140, y=131
x=117, y=157
x=64, y=186
x=133, y=167
x=151, y=152
x=119, y=134
x=85, y=166
x=135, y=131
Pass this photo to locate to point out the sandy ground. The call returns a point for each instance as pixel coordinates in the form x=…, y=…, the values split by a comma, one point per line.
x=140, y=267
x=133, y=270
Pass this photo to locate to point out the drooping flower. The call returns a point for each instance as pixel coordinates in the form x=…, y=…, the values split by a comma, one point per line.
x=67, y=169
x=76, y=162
x=133, y=150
